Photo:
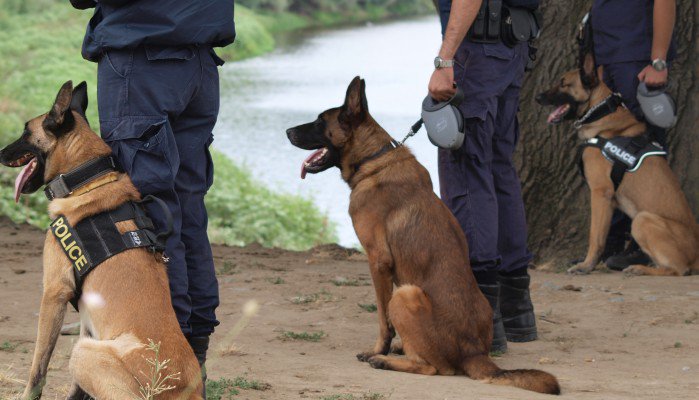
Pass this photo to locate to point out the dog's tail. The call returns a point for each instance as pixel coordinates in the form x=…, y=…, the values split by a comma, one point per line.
x=482, y=367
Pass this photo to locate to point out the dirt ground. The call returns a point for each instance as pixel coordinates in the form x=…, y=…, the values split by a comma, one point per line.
x=605, y=336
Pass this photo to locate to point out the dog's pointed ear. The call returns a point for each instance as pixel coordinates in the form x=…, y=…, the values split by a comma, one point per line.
x=60, y=119
x=78, y=102
x=355, y=109
x=588, y=70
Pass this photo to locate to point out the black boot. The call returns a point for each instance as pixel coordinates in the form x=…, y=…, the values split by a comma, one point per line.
x=200, y=345
x=632, y=255
x=517, y=310
x=491, y=293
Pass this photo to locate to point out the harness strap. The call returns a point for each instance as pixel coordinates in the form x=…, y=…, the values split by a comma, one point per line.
x=64, y=184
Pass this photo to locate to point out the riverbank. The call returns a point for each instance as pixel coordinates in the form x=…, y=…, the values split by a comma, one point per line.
x=40, y=42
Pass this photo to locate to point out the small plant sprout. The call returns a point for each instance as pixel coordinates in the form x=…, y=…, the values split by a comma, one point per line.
x=158, y=380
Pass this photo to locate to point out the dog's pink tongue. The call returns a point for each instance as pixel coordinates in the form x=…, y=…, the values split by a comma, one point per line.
x=23, y=177
x=308, y=160
x=557, y=114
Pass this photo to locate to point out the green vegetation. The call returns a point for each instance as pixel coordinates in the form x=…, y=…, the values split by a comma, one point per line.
x=305, y=336
x=365, y=396
x=40, y=45
x=223, y=388
x=340, y=281
x=368, y=307
x=8, y=346
x=276, y=281
x=322, y=296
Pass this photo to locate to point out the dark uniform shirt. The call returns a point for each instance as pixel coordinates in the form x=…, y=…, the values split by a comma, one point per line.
x=120, y=24
x=623, y=31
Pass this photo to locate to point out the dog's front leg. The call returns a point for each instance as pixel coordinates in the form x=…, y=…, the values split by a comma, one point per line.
x=382, y=275
x=601, y=200
x=51, y=314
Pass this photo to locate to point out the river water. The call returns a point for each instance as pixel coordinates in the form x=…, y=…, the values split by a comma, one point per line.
x=263, y=96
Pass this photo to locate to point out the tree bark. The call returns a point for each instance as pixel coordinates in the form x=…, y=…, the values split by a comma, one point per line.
x=556, y=197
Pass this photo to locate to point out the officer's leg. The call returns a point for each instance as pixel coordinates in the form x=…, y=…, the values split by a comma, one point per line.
x=623, y=78
x=466, y=185
x=137, y=100
x=515, y=303
x=193, y=133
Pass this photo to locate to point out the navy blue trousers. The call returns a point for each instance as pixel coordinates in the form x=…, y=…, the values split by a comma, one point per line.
x=479, y=182
x=157, y=108
x=623, y=78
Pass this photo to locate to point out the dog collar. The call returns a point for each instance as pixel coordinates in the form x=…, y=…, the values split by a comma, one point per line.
x=65, y=184
x=600, y=110
x=385, y=149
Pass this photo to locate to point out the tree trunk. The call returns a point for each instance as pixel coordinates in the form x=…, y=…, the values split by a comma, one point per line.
x=556, y=197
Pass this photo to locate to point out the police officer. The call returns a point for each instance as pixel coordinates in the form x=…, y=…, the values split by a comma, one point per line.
x=479, y=182
x=632, y=43
x=158, y=100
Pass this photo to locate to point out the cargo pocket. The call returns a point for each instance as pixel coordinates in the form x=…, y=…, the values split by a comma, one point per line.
x=209, y=164
x=146, y=149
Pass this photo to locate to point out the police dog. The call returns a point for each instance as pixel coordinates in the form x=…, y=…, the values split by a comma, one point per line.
x=126, y=300
x=413, y=241
x=663, y=224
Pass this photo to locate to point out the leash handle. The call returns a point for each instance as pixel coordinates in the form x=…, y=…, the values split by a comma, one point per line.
x=413, y=130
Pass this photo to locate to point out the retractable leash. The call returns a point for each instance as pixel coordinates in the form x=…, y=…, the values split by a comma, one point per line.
x=443, y=122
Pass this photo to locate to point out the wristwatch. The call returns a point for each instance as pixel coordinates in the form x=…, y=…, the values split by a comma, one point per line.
x=659, y=64
x=439, y=62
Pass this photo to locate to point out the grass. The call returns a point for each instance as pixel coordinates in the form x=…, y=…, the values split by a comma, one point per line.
x=368, y=307
x=158, y=380
x=678, y=345
x=276, y=281
x=340, y=281
x=302, y=336
x=223, y=388
x=322, y=296
x=365, y=396
x=8, y=346
x=228, y=268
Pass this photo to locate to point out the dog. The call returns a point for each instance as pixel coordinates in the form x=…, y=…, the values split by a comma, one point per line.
x=663, y=224
x=129, y=291
x=413, y=241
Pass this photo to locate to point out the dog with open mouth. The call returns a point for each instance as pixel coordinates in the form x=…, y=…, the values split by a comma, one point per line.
x=125, y=302
x=647, y=190
x=413, y=241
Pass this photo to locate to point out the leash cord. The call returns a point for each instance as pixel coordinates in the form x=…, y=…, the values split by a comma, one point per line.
x=413, y=130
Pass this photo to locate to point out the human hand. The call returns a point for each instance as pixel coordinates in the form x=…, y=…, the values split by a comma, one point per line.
x=652, y=77
x=442, y=86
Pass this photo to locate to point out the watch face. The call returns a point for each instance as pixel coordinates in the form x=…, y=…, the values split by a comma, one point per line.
x=659, y=65
x=437, y=62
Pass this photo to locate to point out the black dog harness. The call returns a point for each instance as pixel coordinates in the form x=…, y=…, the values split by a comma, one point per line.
x=625, y=153
x=96, y=238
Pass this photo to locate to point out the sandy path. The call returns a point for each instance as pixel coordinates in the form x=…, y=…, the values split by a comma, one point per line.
x=616, y=338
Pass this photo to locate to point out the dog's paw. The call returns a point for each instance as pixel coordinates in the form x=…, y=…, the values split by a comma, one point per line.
x=580, y=269
x=364, y=357
x=378, y=362
x=397, y=348
x=634, y=270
